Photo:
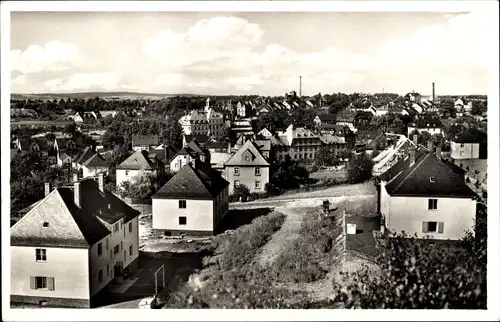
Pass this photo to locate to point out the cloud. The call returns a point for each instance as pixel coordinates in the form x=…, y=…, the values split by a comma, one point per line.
x=53, y=56
x=95, y=81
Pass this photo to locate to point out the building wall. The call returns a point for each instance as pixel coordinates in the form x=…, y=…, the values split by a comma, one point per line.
x=408, y=213
x=124, y=175
x=179, y=162
x=93, y=172
x=431, y=131
x=68, y=266
x=247, y=177
x=198, y=213
x=467, y=151
x=140, y=148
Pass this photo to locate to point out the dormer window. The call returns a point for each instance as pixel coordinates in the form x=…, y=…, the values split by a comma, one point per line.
x=432, y=179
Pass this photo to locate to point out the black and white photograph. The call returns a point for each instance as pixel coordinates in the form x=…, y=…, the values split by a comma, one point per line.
x=200, y=157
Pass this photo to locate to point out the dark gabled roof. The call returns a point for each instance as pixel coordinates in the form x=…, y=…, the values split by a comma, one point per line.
x=335, y=127
x=363, y=115
x=193, y=181
x=84, y=155
x=139, y=160
x=95, y=161
x=415, y=181
x=401, y=165
x=70, y=226
x=194, y=146
x=375, y=143
x=145, y=140
x=326, y=117
x=201, y=138
x=164, y=154
x=465, y=137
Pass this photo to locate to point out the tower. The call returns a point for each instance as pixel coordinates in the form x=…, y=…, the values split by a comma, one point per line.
x=207, y=106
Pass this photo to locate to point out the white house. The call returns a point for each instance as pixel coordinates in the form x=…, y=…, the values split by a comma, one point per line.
x=187, y=154
x=94, y=165
x=425, y=195
x=71, y=244
x=432, y=126
x=192, y=202
x=463, y=147
x=144, y=142
x=247, y=166
x=139, y=162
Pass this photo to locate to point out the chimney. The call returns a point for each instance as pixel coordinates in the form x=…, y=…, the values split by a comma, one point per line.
x=300, y=86
x=47, y=188
x=438, y=151
x=433, y=92
x=415, y=138
x=75, y=176
x=77, y=195
x=430, y=146
x=101, y=181
x=412, y=155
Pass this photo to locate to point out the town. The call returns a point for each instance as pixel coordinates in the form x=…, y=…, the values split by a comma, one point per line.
x=132, y=200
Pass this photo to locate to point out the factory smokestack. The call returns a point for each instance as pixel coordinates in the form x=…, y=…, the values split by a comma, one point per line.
x=433, y=92
x=300, y=86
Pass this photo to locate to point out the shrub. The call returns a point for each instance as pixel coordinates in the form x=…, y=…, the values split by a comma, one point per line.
x=359, y=168
x=272, y=189
x=241, y=191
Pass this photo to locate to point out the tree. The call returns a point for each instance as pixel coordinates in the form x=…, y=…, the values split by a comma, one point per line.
x=422, y=137
x=172, y=133
x=359, y=168
x=141, y=187
x=438, y=139
x=478, y=107
x=326, y=157
x=241, y=191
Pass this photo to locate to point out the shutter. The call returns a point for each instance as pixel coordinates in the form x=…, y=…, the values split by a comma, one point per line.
x=440, y=227
x=50, y=283
x=425, y=226
x=32, y=282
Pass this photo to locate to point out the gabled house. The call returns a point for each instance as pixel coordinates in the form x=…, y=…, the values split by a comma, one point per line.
x=94, y=165
x=192, y=151
x=192, y=202
x=144, y=142
x=200, y=138
x=72, y=244
x=81, y=157
x=464, y=146
x=139, y=162
x=249, y=167
x=426, y=195
x=324, y=119
x=165, y=153
x=337, y=135
x=426, y=124
x=265, y=133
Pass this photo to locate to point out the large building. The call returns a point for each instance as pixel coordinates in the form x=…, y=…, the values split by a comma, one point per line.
x=247, y=167
x=71, y=244
x=207, y=122
x=426, y=196
x=299, y=143
x=192, y=202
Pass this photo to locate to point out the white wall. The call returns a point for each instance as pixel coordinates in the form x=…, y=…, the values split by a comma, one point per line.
x=247, y=177
x=68, y=266
x=408, y=213
x=140, y=148
x=468, y=151
x=179, y=162
x=93, y=172
x=199, y=214
x=431, y=131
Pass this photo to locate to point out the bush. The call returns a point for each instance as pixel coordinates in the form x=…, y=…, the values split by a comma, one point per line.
x=272, y=189
x=359, y=168
x=241, y=191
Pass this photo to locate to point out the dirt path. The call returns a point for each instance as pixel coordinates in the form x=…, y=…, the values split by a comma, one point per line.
x=288, y=232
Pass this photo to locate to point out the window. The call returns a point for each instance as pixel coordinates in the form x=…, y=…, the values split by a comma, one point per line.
x=432, y=179
x=107, y=270
x=99, y=276
x=41, y=255
x=121, y=245
x=433, y=204
x=247, y=158
x=462, y=153
x=107, y=244
x=126, y=172
x=236, y=171
x=182, y=204
x=257, y=171
x=182, y=220
x=236, y=183
x=130, y=251
x=116, y=249
x=99, y=249
x=432, y=226
x=257, y=184
x=124, y=233
x=116, y=227
x=461, y=145
x=130, y=227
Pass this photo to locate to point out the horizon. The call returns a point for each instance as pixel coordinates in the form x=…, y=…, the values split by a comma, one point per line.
x=206, y=53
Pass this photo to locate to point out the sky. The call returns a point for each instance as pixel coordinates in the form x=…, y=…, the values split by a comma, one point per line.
x=248, y=53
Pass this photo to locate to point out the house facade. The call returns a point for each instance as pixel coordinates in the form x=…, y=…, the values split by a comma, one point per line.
x=426, y=196
x=144, y=142
x=464, y=150
x=192, y=151
x=192, y=202
x=432, y=126
x=248, y=167
x=71, y=244
x=138, y=163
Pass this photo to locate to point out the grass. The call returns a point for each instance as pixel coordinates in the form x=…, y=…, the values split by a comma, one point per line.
x=309, y=257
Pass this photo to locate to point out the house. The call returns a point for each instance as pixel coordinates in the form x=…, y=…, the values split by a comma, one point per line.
x=164, y=152
x=192, y=202
x=464, y=146
x=144, y=142
x=397, y=147
x=71, y=244
x=337, y=135
x=324, y=119
x=249, y=167
x=78, y=118
x=200, y=138
x=426, y=124
x=349, y=122
x=426, y=196
x=243, y=109
x=413, y=97
x=265, y=133
x=81, y=157
x=139, y=162
x=94, y=165
x=192, y=151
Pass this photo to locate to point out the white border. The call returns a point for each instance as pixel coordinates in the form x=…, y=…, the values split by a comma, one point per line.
x=257, y=315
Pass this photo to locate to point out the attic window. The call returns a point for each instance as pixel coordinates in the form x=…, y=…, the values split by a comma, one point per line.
x=432, y=179
x=45, y=224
